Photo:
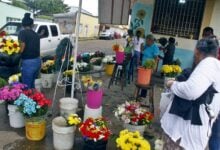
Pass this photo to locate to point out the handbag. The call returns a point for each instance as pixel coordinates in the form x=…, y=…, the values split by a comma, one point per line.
x=165, y=100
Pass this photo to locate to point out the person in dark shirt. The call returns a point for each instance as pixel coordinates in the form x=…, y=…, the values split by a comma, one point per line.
x=169, y=52
x=30, y=52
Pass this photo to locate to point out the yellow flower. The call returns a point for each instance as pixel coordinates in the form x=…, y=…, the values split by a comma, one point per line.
x=73, y=119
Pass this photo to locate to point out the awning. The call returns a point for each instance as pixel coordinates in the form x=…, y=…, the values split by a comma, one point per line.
x=114, y=11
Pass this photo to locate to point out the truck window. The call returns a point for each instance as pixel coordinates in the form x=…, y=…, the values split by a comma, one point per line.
x=54, y=31
x=43, y=32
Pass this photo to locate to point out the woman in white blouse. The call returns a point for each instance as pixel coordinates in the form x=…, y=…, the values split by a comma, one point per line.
x=179, y=132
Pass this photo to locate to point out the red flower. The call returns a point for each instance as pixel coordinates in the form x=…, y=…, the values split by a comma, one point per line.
x=2, y=33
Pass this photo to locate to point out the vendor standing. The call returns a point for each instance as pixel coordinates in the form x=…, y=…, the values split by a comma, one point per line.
x=30, y=51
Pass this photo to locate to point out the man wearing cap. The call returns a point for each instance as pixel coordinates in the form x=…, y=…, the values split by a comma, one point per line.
x=30, y=51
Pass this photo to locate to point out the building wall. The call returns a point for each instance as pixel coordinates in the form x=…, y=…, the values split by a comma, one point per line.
x=10, y=12
x=89, y=26
x=215, y=19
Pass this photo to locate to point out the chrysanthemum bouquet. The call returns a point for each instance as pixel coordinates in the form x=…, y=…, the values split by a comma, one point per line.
x=83, y=67
x=171, y=70
x=132, y=140
x=32, y=103
x=48, y=67
x=117, y=48
x=9, y=46
x=95, y=129
x=91, y=84
x=132, y=113
x=108, y=60
x=10, y=93
x=73, y=120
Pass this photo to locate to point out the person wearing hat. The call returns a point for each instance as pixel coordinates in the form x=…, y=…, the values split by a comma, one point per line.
x=30, y=51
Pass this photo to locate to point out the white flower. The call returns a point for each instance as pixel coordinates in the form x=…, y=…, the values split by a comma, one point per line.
x=158, y=144
x=127, y=120
x=121, y=110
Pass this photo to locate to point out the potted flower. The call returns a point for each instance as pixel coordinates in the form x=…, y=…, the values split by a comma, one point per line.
x=14, y=78
x=145, y=72
x=94, y=92
x=34, y=106
x=119, y=52
x=47, y=73
x=95, y=133
x=67, y=75
x=134, y=117
x=109, y=64
x=9, y=94
x=83, y=67
x=98, y=54
x=64, y=131
x=132, y=140
x=97, y=63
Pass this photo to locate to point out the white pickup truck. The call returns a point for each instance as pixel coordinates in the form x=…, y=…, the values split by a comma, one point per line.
x=50, y=35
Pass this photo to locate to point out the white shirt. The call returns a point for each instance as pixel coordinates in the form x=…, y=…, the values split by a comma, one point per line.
x=137, y=44
x=194, y=137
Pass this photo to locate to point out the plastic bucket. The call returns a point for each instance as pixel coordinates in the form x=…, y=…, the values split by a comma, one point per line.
x=47, y=80
x=94, y=98
x=68, y=106
x=93, y=113
x=144, y=76
x=97, y=70
x=133, y=128
x=35, y=128
x=63, y=135
x=109, y=68
x=120, y=56
x=38, y=84
x=16, y=119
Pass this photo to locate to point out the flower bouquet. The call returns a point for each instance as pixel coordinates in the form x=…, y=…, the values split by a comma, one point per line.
x=96, y=61
x=14, y=78
x=171, y=70
x=47, y=73
x=48, y=67
x=133, y=116
x=91, y=84
x=95, y=133
x=98, y=54
x=64, y=131
x=83, y=67
x=9, y=46
x=34, y=106
x=132, y=140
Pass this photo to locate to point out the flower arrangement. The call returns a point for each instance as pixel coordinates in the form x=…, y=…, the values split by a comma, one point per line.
x=11, y=92
x=132, y=140
x=9, y=46
x=83, y=67
x=171, y=70
x=14, y=78
x=32, y=103
x=132, y=113
x=68, y=73
x=73, y=120
x=149, y=64
x=91, y=84
x=108, y=60
x=97, y=61
x=117, y=48
x=48, y=67
x=2, y=34
x=98, y=54
x=95, y=129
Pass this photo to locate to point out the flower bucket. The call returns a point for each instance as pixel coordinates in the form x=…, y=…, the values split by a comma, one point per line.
x=93, y=113
x=38, y=84
x=35, y=128
x=133, y=128
x=144, y=76
x=120, y=56
x=63, y=136
x=94, y=98
x=98, y=71
x=68, y=106
x=109, y=68
x=92, y=145
x=16, y=119
x=47, y=80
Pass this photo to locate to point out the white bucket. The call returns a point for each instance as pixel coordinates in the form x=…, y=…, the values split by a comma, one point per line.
x=93, y=113
x=68, y=106
x=16, y=119
x=63, y=135
x=133, y=128
x=38, y=84
x=47, y=80
x=97, y=68
x=55, y=78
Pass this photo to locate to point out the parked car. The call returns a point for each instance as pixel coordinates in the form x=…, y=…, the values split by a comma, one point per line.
x=50, y=35
x=107, y=35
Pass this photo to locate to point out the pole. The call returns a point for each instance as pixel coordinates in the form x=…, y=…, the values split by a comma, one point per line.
x=76, y=46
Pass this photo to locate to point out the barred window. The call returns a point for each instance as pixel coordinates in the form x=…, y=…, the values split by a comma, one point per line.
x=180, y=18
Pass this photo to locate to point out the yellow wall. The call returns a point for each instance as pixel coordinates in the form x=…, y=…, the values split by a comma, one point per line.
x=89, y=26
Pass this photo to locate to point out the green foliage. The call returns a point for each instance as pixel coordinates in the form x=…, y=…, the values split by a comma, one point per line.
x=149, y=64
x=19, y=4
x=177, y=62
x=2, y=82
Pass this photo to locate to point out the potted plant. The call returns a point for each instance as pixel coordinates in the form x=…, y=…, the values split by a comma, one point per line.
x=34, y=106
x=9, y=94
x=97, y=63
x=64, y=131
x=109, y=64
x=132, y=140
x=47, y=73
x=134, y=117
x=145, y=72
x=94, y=92
x=83, y=67
x=95, y=133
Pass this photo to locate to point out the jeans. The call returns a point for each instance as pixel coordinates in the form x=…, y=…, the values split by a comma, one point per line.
x=136, y=58
x=30, y=70
x=214, y=141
